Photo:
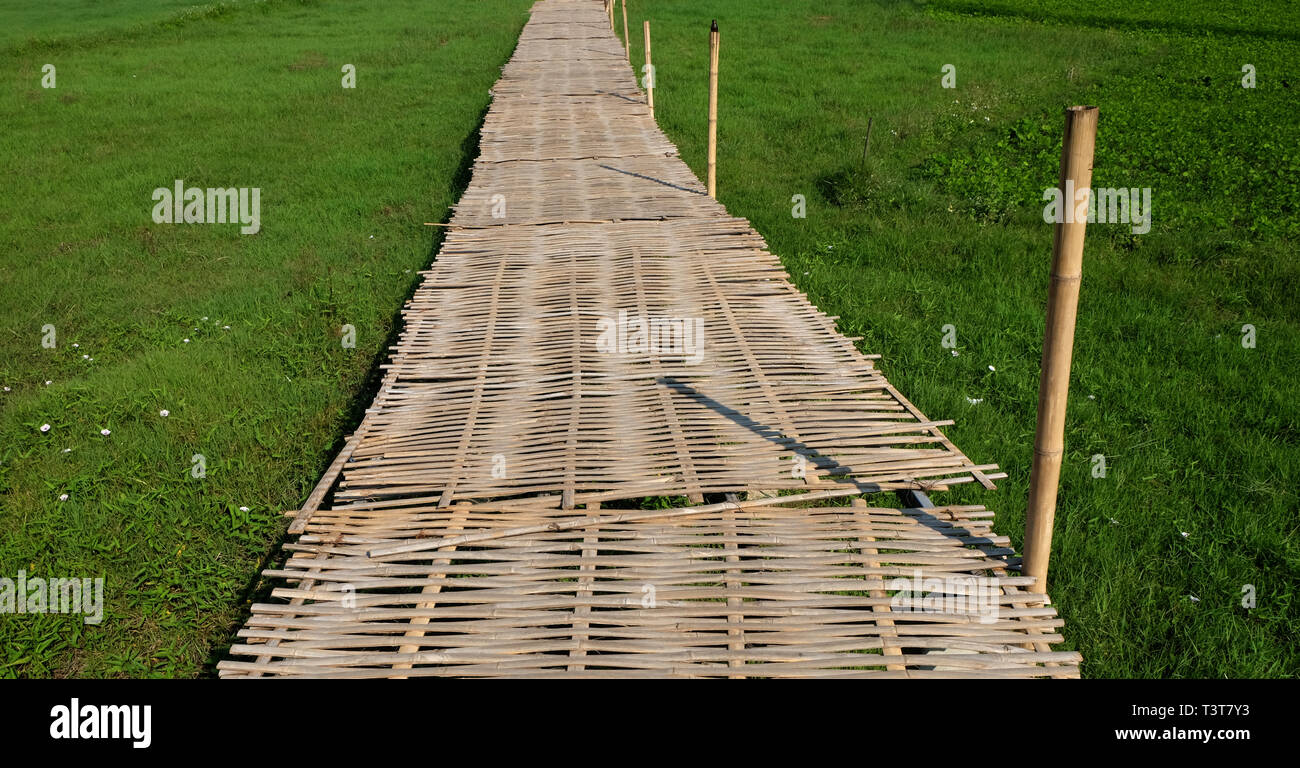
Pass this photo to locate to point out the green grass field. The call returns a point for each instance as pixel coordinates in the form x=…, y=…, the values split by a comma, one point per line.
x=940, y=225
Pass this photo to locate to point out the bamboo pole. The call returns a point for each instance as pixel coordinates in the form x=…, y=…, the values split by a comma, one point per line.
x=1058, y=342
x=627, y=41
x=649, y=72
x=609, y=7
x=714, y=42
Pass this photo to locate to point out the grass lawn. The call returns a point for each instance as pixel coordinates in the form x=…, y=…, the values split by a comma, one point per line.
x=237, y=95
x=942, y=225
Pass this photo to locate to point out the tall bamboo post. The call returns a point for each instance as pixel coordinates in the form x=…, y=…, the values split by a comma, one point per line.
x=610, y=8
x=714, y=41
x=1058, y=341
x=649, y=72
x=627, y=41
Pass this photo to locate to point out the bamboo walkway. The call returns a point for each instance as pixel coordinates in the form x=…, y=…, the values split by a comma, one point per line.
x=597, y=330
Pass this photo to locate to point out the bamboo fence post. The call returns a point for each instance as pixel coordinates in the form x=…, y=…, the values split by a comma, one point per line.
x=649, y=72
x=609, y=6
x=1058, y=341
x=866, y=143
x=627, y=41
x=713, y=109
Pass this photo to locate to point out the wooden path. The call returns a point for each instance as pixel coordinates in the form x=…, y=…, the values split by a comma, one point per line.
x=597, y=330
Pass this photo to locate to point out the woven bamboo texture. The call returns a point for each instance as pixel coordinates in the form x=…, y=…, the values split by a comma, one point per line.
x=484, y=518
x=766, y=592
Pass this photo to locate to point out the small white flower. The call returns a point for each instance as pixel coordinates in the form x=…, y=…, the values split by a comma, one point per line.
x=991, y=368
x=92, y=359
x=63, y=497
x=974, y=400
x=205, y=319
x=105, y=432
x=1194, y=598
x=45, y=427
x=185, y=341
x=6, y=389
x=48, y=382
x=1184, y=534
x=372, y=237
x=85, y=357
x=1113, y=521
x=1092, y=397
x=164, y=413
x=67, y=450
x=76, y=346
x=954, y=353
x=243, y=509
x=225, y=327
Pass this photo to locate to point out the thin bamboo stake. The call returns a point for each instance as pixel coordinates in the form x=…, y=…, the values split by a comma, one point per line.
x=714, y=42
x=1058, y=342
x=649, y=72
x=866, y=143
x=627, y=41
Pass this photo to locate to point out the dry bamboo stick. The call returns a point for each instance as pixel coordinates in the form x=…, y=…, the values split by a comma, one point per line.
x=432, y=589
x=649, y=71
x=582, y=612
x=714, y=43
x=627, y=41
x=1058, y=341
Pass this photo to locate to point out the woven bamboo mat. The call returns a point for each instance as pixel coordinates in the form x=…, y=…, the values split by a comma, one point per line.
x=766, y=592
x=594, y=331
x=502, y=385
x=570, y=127
x=570, y=50
x=593, y=189
x=565, y=77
